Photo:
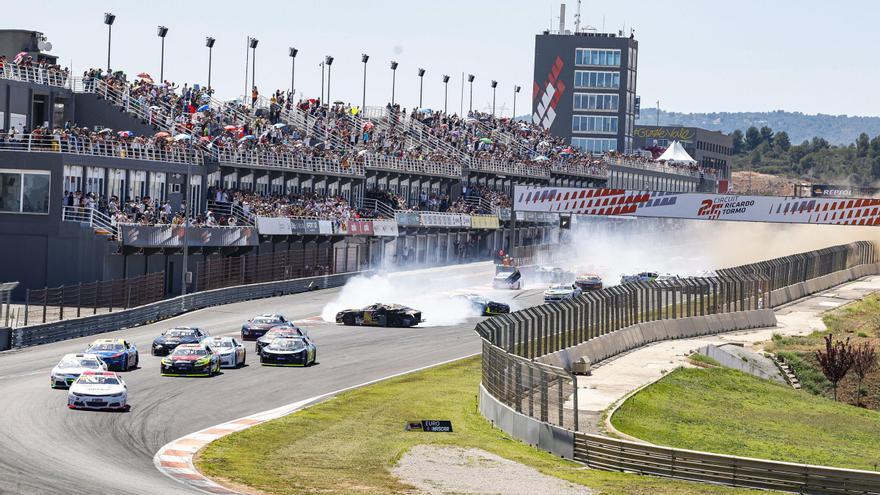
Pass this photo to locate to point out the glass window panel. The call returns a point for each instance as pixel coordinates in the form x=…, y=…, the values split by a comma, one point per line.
x=10, y=191
x=36, y=193
x=602, y=60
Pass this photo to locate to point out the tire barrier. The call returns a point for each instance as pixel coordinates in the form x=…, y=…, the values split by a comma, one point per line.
x=528, y=390
x=148, y=313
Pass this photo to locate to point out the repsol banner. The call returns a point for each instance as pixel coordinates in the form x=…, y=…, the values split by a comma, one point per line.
x=832, y=191
x=697, y=206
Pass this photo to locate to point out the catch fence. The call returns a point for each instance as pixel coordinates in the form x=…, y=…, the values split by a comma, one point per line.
x=215, y=273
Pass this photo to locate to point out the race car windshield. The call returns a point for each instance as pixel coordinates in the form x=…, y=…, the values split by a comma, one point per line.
x=180, y=333
x=79, y=363
x=189, y=352
x=263, y=321
x=98, y=380
x=288, y=344
x=107, y=347
x=281, y=332
x=222, y=343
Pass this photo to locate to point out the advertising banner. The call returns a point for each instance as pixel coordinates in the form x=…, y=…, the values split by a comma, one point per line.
x=697, y=206
x=325, y=227
x=273, y=226
x=407, y=218
x=450, y=220
x=385, y=228
x=172, y=236
x=484, y=222
x=832, y=191
x=359, y=227
x=305, y=226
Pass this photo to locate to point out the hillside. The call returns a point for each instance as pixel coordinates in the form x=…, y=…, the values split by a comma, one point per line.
x=836, y=129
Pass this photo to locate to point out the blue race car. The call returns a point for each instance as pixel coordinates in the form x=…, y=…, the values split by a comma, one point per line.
x=119, y=354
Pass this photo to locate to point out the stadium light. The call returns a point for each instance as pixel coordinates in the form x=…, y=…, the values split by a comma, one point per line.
x=471, y=98
x=393, y=79
x=292, y=52
x=209, y=42
x=162, y=32
x=445, y=91
x=108, y=20
x=421, y=84
x=515, y=91
x=494, y=85
x=329, y=61
x=364, y=58
x=252, y=42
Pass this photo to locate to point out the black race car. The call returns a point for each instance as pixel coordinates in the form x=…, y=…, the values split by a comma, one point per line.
x=279, y=332
x=295, y=351
x=485, y=307
x=170, y=339
x=380, y=315
x=588, y=281
x=257, y=326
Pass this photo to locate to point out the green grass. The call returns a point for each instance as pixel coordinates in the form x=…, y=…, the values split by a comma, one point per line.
x=726, y=411
x=704, y=359
x=348, y=445
x=807, y=371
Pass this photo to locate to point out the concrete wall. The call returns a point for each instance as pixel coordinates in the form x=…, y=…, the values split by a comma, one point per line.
x=544, y=436
x=793, y=292
x=620, y=341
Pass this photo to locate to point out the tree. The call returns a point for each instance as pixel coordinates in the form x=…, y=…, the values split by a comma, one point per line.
x=862, y=145
x=835, y=361
x=738, y=143
x=753, y=138
x=864, y=360
x=781, y=139
x=766, y=135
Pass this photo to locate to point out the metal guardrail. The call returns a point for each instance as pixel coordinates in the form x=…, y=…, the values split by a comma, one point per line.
x=100, y=222
x=549, y=394
x=38, y=75
x=148, y=313
x=112, y=147
x=290, y=160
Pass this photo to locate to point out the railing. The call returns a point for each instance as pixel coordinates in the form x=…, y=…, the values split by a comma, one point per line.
x=380, y=207
x=481, y=204
x=427, y=167
x=74, y=301
x=38, y=75
x=657, y=167
x=579, y=169
x=536, y=170
x=231, y=210
x=56, y=143
x=514, y=346
x=297, y=162
x=100, y=222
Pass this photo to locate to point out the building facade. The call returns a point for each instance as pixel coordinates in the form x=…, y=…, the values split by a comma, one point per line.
x=585, y=88
x=711, y=149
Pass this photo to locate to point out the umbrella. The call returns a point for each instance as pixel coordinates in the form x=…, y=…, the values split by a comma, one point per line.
x=541, y=158
x=182, y=137
x=426, y=110
x=125, y=134
x=486, y=141
x=20, y=56
x=205, y=97
x=145, y=75
x=368, y=126
x=203, y=108
x=162, y=134
x=230, y=128
x=105, y=131
x=205, y=139
x=280, y=125
x=247, y=138
x=155, y=107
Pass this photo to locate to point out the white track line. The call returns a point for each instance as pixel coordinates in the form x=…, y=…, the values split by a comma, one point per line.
x=175, y=459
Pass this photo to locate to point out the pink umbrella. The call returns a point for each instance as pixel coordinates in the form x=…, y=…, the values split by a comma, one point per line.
x=20, y=56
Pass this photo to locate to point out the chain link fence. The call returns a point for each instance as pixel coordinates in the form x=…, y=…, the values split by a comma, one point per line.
x=74, y=301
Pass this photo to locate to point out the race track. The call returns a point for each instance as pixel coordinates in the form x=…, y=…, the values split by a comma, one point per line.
x=48, y=449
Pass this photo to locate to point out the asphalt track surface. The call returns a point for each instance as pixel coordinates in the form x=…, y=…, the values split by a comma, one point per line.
x=47, y=449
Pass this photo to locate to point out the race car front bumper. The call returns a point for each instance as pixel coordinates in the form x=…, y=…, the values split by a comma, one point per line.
x=186, y=370
x=299, y=359
x=98, y=402
x=62, y=381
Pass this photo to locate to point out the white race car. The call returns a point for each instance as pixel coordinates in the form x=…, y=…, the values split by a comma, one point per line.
x=560, y=292
x=232, y=352
x=71, y=366
x=98, y=390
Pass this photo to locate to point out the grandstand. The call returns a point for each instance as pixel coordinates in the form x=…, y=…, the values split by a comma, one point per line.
x=96, y=170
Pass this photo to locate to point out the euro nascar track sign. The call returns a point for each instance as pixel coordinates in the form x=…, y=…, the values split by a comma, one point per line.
x=697, y=206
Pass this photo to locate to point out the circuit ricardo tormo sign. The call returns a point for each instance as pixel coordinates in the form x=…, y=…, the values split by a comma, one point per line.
x=697, y=206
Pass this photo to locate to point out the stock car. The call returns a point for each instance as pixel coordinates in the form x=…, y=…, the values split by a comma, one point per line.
x=232, y=352
x=561, y=292
x=380, y=315
x=507, y=277
x=484, y=306
x=639, y=277
x=294, y=351
x=191, y=360
x=119, y=354
x=98, y=390
x=588, y=281
x=165, y=343
x=553, y=275
x=72, y=366
x=281, y=331
x=257, y=326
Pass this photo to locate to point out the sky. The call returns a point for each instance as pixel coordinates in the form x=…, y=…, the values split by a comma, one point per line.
x=695, y=56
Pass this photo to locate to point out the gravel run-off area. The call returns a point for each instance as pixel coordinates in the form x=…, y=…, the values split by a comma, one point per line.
x=441, y=470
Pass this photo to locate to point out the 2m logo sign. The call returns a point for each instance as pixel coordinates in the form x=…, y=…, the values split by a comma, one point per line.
x=547, y=97
x=710, y=209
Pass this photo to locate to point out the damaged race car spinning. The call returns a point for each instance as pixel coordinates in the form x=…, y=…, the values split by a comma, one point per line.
x=380, y=315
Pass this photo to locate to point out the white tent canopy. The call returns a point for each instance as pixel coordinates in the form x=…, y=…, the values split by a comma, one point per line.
x=676, y=153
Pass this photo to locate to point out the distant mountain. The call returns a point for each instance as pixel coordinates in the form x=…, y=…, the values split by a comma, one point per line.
x=836, y=129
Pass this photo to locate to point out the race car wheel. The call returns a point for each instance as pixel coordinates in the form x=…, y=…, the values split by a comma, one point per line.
x=243, y=359
x=124, y=366
x=348, y=320
x=136, y=360
x=406, y=322
x=315, y=357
